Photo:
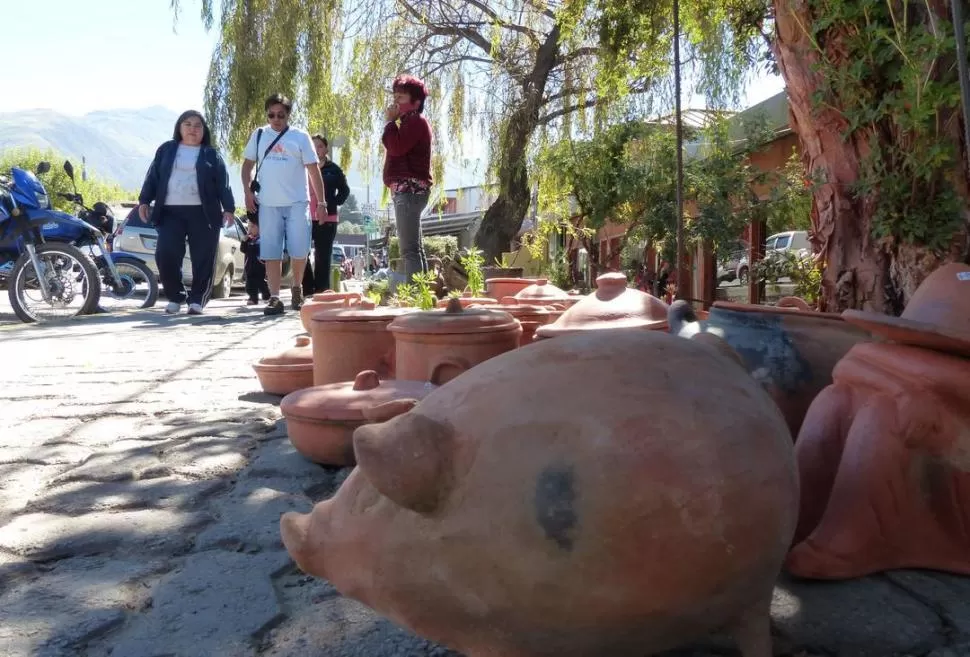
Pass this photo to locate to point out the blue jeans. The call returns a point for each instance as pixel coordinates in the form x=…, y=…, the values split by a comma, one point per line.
x=407, y=215
x=291, y=222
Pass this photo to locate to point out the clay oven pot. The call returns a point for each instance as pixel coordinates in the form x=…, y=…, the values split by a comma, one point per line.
x=326, y=301
x=467, y=300
x=287, y=371
x=352, y=340
x=544, y=293
x=579, y=497
x=791, y=352
x=499, y=288
x=530, y=317
x=437, y=345
x=320, y=420
x=612, y=305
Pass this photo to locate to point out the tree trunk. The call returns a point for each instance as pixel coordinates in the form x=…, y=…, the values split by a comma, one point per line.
x=860, y=272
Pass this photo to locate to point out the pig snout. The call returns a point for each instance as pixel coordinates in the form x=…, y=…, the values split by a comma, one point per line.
x=295, y=529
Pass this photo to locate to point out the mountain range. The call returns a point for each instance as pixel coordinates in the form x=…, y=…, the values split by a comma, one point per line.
x=118, y=145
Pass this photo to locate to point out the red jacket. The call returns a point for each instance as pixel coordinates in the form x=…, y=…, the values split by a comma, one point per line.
x=408, y=149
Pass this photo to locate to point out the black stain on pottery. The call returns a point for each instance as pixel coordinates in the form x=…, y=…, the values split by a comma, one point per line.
x=555, y=505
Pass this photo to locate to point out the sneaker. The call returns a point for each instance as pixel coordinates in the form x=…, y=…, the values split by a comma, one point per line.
x=172, y=307
x=195, y=309
x=274, y=307
x=297, y=299
x=252, y=301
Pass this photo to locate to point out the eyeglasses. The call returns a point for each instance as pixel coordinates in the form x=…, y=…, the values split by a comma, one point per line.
x=274, y=115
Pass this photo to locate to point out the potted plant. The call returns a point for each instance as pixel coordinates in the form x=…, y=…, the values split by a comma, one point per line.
x=503, y=269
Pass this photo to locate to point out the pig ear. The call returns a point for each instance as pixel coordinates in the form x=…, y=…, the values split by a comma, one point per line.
x=387, y=410
x=408, y=460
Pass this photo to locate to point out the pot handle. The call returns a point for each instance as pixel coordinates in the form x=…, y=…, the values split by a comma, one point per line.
x=679, y=316
x=446, y=366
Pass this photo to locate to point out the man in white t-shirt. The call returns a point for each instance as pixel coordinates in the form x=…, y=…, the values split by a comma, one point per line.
x=283, y=158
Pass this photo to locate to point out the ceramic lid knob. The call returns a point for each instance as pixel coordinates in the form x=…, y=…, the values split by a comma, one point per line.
x=366, y=380
x=541, y=281
x=302, y=340
x=611, y=279
x=454, y=306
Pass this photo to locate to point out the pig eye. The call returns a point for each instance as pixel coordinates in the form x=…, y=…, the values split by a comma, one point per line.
x=366, y=497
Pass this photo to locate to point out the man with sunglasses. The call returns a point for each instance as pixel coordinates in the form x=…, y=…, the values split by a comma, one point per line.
x=277, y=199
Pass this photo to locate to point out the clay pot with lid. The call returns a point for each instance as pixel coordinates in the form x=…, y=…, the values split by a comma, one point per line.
x=438, y=345
x=351, y=340
x=467, y=300
x=529, y=316
x=326, y=301
x=288, y=370
x=612, y=305
x=544, y=293
x=320, y=420
x=499, y=288
x=791, y=352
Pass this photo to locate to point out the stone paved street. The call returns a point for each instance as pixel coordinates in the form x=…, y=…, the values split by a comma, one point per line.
x=142, y=476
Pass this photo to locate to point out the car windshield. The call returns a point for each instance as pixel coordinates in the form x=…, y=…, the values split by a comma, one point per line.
x=782, y=241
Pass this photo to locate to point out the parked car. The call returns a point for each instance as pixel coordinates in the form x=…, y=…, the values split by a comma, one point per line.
x=728, y=264
x=138, y=237
x=792, y=240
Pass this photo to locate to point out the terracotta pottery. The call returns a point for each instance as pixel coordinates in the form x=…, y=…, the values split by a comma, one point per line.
x=530, y=317
x=352, y=340
x=437, y=345
x=790, y=352
x=326, y=301
x=794, y=302
x=499, y=288
x=612, y=305
x=542, y=293
x=595, y=494
x=467, y=300
x=288, y=370
x=883, y=452
x=320, y=420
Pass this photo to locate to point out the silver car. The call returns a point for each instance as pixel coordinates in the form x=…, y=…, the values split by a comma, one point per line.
x=140, y=238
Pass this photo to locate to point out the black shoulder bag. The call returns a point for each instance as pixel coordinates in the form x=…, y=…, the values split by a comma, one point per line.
x=254, y=184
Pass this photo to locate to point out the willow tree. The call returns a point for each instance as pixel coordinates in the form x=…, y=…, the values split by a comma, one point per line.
x=508, y=70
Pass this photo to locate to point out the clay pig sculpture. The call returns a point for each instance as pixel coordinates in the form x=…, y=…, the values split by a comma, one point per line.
x=616, y=493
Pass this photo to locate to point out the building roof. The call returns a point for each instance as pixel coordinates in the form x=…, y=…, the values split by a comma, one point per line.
x=449, y=224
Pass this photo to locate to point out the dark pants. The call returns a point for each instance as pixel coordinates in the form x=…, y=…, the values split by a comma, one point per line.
x=316, y=277
x=407, y=216
x=255, y=275
x=181, y=223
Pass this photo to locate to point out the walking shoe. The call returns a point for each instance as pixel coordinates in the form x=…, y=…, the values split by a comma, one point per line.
x=195, y=309
x=297, y=300
x=172, y=307
x=252, y=301
x=274, y=307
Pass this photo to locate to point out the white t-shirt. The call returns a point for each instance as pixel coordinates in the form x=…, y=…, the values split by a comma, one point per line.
x=183, y=184
x=282, y=175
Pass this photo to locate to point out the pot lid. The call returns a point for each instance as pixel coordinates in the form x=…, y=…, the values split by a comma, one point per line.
x=454, y=319
x=541, y=290
x=521, y=310
x=299, y=354
x=468, y=300
x=346, y=401
x=612, y=305
x=330, y=295
x=365, y=311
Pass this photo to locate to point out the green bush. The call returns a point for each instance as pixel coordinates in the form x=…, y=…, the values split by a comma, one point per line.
x=435, y=246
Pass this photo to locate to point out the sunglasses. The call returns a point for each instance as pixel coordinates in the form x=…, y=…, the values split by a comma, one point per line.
x=274, y=115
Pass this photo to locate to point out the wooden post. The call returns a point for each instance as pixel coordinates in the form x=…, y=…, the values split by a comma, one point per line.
x=707, y=273
x=756, y=253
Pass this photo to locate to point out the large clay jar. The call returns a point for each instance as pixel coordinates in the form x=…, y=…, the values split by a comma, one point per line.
x=595, y=494
x=467, y=300
x=439, y=345
x=320, y=420
x=288, y=370
x=530, y=317
x=352, y=340
x=326, y=301
x=790, y=352
x=544, y=293
x=612, y=305
x=883, y=452
x=499, y=288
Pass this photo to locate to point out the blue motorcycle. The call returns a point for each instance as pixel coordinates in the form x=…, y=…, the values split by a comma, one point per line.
x=45, y=280
x=126, y=280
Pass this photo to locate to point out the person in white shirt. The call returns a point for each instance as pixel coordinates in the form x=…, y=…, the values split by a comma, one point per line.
x=277, y=199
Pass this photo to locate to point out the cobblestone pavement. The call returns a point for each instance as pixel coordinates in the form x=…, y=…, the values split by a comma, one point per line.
x=142, y=476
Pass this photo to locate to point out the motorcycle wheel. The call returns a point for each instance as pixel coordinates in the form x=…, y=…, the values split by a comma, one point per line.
x=138, y=287
x=69, y=271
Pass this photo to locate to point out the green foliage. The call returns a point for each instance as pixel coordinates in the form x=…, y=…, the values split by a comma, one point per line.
x=56, y=181
x=803, y=270
x=405, y=296
x=435, y=246
x=887, y=68
x=378, y=291
x=348, y=228
x=424, y=297
x=473, y=261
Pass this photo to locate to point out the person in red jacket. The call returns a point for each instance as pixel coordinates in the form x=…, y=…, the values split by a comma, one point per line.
x=407, y=167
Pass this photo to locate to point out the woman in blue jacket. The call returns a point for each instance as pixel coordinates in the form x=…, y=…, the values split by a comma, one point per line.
x=189, y=186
